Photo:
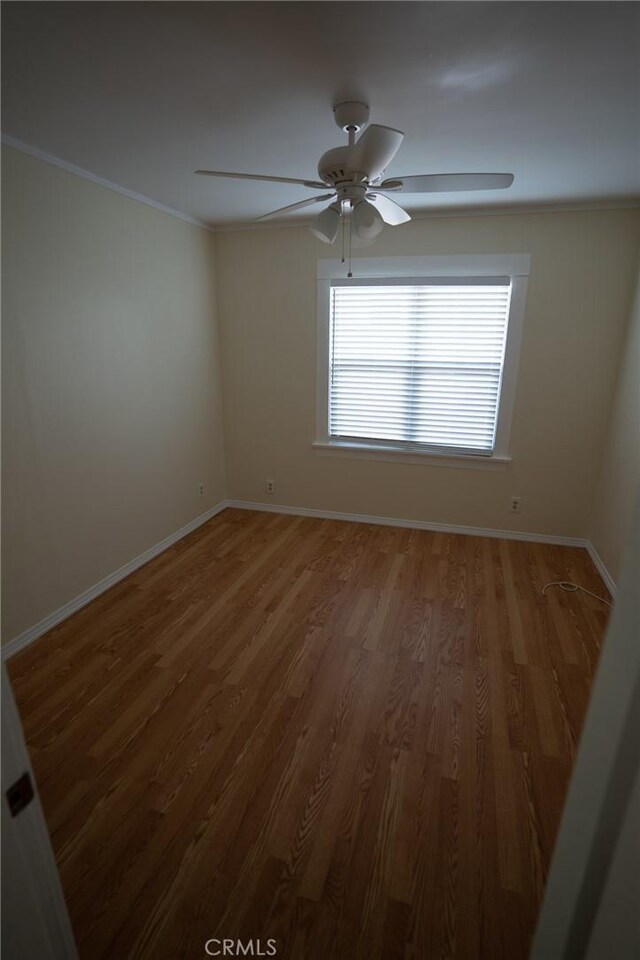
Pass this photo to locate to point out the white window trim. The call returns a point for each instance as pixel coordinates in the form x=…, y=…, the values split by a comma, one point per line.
x=515, y=266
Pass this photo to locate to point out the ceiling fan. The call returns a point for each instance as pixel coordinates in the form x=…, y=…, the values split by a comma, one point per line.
x=353, y=174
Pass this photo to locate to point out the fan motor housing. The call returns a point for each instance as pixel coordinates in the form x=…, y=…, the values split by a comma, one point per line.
x=335, y=167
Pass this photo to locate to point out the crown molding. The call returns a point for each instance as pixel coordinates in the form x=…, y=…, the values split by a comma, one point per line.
x=101, y=181
x=241, y=226
x=453, y=213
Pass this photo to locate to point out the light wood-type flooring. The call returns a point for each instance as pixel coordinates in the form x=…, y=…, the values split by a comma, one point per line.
x=353, y=739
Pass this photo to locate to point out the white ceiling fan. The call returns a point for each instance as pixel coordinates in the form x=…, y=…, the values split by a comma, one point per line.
x=354, y=175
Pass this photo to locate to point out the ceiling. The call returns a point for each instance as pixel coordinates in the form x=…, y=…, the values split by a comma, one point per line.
x=142, y=94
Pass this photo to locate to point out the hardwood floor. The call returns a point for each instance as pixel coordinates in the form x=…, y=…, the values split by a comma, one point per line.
x=353, y=739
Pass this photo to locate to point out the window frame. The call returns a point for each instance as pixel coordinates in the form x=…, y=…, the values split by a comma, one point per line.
x=418, y=269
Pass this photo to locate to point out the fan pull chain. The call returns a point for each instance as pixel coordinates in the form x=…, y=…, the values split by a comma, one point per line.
x=349, y=273
x=343, y=233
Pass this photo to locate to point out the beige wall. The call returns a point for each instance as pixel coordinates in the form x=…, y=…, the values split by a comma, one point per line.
x=582, y=274
x=112, y=409
x=619, y=484
x=111, y=403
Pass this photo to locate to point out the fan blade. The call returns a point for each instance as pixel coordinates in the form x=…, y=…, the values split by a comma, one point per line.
x=448, y=182
x=375, y=149
x=389, y=210
x=315, y=184
x=295, y=206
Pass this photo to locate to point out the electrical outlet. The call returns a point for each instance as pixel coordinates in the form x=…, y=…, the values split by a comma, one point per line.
x=201, y=489
x=516, y=503
x=270, y=486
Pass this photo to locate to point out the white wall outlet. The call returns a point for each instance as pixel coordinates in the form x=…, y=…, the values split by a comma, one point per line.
x=201, y=489
x=270, y=486
x=515, y=504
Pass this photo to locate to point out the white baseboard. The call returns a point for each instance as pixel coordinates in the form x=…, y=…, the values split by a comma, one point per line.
x=411, y=524
x=24, y=639
x=598, y=563
x=439, y=528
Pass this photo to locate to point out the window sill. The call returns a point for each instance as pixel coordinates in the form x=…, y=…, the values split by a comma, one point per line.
x=366, y=451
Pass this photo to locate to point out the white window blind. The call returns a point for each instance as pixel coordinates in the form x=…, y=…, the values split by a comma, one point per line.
x=418, y=363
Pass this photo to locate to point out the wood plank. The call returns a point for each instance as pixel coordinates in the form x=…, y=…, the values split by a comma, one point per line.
x=353, y=739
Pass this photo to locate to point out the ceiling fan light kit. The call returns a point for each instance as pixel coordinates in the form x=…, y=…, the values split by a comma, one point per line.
x=353, y=173
x=366, y=221
x=326, y=225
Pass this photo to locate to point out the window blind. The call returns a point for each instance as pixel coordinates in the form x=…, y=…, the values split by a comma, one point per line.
x=418, y=363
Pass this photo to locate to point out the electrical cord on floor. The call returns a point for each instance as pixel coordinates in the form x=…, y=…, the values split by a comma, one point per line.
x=573, y=588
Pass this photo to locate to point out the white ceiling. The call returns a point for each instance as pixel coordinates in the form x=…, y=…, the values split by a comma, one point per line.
x=142, y=94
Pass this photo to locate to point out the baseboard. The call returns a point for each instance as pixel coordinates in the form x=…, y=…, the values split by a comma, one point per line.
x=28, y=636
x=599, y=564
x=438, y=528
x=24, y=639
x=411, y=524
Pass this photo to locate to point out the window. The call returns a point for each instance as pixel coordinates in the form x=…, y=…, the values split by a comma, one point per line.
x=419, y=365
